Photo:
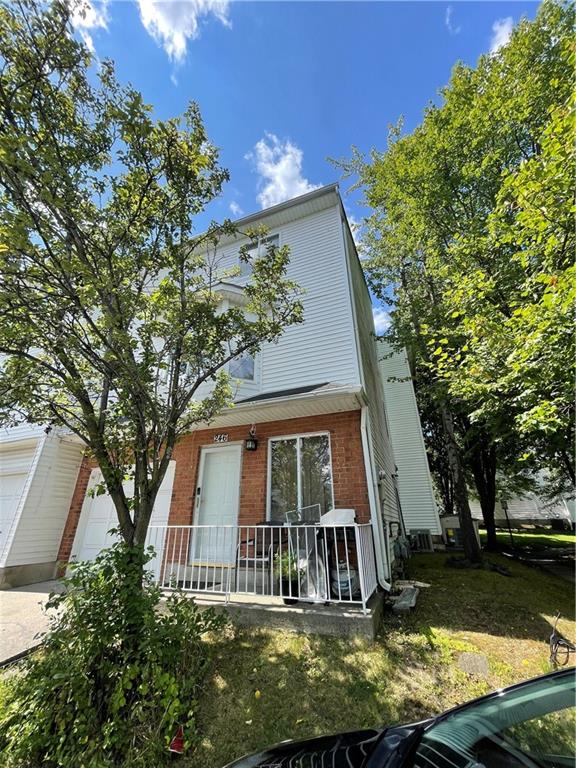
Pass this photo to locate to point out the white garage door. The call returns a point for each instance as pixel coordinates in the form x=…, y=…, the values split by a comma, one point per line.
x=98, y=516
x=15, y=464
x=11, y=487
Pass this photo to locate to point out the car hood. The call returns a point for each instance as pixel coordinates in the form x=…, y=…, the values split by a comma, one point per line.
x=344, y=750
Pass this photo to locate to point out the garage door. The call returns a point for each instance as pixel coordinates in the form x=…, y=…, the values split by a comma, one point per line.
x=98, y=516
x=14, y=466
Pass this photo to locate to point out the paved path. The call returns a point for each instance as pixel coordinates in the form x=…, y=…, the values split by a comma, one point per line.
x=559, y=564
x=556, y=560
x=22, y=616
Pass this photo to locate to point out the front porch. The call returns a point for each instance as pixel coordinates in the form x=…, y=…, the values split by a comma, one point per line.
x=280, y=568
x=266, y=612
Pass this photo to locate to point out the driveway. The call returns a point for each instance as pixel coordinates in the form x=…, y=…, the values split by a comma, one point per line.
x=22, y=616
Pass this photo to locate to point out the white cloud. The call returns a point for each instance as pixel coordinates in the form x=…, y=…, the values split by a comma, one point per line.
x=235, y=209
x=356, y=227
x=382, y=320
x=279, y=164
x=501, y=31
x=90, y=15
x=173, y=22
x=452, y=28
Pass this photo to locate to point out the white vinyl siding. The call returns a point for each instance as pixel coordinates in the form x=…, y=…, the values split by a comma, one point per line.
x=44, y=507
x=414, y=482
x=321, y=349
x=12, y=435
x=15, y=463
x=383, y=455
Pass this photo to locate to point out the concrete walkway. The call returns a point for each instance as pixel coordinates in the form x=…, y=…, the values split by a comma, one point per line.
x=22, y=616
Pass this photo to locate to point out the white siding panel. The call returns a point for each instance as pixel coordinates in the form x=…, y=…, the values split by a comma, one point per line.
x=414, y=482
x=41, y=520
x=381, y=446
x=16, y=462
x=322, y=348
x=21, y=432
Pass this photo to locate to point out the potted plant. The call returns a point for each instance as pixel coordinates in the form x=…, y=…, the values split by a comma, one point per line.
x=288, y=573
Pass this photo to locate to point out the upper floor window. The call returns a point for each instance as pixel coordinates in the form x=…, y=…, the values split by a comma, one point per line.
x=254, y=252
x=242, y=367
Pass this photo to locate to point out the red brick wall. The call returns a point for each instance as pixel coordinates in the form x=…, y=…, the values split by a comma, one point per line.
x=349, y=475
x=75, y=509
x=350, y=489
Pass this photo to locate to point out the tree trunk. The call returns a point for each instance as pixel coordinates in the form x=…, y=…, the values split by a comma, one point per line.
x=482, y=462
x=471, y=547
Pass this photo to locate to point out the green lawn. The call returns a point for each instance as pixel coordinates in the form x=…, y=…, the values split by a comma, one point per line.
x=534, y=541
x=270, y=686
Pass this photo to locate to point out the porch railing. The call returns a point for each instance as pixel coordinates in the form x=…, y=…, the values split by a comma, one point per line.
x=298, y=563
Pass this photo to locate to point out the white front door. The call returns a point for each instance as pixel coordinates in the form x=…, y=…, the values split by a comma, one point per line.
x=217, y=501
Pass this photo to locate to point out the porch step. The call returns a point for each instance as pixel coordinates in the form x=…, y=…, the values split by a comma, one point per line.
x=406, y=601
x=269, y=612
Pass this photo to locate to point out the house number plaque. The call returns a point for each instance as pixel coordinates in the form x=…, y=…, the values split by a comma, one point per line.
x=221, y=438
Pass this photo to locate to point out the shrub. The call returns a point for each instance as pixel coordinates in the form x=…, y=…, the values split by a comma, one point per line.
x=115, y=676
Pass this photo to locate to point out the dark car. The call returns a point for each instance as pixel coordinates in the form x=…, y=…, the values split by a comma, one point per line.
x=529, y=725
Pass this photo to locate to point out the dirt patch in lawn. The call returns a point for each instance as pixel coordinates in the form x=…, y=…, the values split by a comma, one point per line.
x=270, y=686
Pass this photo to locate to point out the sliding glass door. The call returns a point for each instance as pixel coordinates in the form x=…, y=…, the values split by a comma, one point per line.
x=300, y=475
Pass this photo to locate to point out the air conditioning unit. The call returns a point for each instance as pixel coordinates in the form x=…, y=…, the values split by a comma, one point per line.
x=421, y=540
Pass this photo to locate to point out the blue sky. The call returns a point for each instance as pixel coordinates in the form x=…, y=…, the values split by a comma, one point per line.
x=282, y=86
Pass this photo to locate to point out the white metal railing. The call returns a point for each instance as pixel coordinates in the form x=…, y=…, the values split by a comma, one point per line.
x=308, y=563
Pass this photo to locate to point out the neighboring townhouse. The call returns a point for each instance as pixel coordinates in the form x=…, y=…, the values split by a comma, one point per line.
x=415, y=488
x=38, y=472
x=529, y=509
x=291, y=493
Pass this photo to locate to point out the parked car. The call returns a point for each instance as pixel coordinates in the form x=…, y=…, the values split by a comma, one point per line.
x=529, y=725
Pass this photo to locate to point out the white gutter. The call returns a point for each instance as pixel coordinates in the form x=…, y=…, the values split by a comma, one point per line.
x=380, y=543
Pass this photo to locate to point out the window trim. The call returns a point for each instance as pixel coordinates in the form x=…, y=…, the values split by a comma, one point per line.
x=296, y=436
x=243, y=278
x=254, y=378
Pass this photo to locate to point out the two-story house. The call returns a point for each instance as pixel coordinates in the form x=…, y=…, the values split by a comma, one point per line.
x=291, y=493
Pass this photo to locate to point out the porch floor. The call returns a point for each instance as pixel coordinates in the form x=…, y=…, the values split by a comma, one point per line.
x=269, y=612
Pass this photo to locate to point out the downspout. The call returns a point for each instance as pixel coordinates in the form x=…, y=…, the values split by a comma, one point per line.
x=373, y=496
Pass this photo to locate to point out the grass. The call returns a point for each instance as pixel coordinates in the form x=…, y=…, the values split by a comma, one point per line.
x=270, y=686
x=534, y=541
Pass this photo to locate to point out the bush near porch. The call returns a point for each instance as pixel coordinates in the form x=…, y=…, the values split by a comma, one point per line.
x=270, y=686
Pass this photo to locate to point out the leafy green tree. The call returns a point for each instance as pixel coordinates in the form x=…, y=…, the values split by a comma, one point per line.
x=524, y=358
x=481, y=287
x=110, y=312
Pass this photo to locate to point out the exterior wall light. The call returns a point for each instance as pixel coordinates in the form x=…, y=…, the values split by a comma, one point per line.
x=251, y=441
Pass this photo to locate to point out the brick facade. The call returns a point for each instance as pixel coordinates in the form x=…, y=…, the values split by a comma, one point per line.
x=75, y=509
x=349, y=474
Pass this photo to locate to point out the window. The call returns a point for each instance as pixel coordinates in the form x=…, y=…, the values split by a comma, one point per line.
x=242, y=367
x=531, y=726
x=300, y=475
x=254, y=252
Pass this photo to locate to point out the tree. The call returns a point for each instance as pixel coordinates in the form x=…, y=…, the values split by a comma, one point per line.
x=110, y=316
x=445, y=233
x=533, y=223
